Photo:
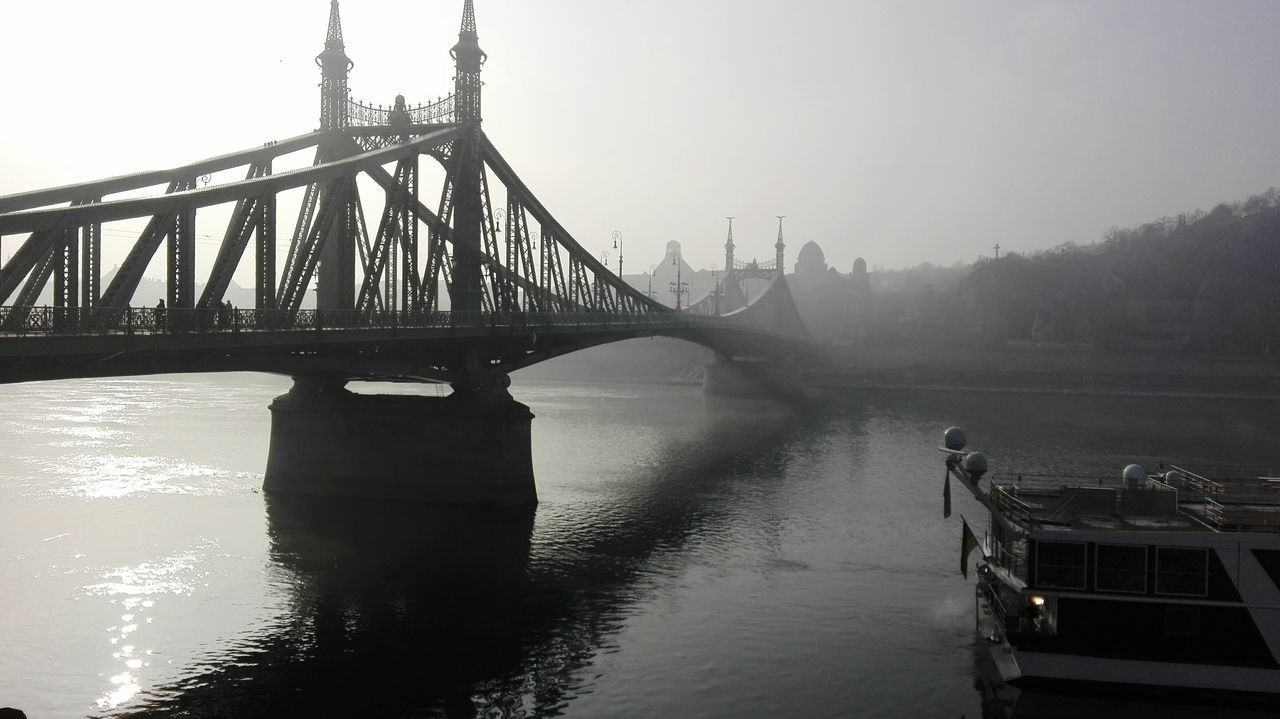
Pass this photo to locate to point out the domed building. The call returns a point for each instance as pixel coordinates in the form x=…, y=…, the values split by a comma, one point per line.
x=859, y=276
x=833, y=306
x=811, y=261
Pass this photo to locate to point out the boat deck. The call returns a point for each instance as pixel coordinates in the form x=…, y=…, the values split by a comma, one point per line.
x=1178, y=500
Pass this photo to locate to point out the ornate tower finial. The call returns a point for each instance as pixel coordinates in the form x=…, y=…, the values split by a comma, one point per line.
x=781, y=245
x=333, y=39
x=334, y=67
x=468, y=18
x=468, y=59
x=728, y=249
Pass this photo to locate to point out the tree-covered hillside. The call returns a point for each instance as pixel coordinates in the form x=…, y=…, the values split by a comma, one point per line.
x=1202, y=282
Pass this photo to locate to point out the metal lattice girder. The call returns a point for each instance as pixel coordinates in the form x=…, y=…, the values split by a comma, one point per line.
x=442, y=238
x=38, y=279
x=91, y=257
x=503, y=291
x=505, y=174
x=31, y=252
x=182, y=256
x=368, y=259
x=306, y=218
x=408, y=240
x=120, y=291
x=265, y=277
x=390, y=279
x=511, y=241
x=536, y=298
x=244, y=220
x=383, y=243
x=66, y=271
x=90, y=192
x=468, y=291
x=30, y=291
x=298, y=273
x=437, y=254
x=112, y=210
x=559, y=286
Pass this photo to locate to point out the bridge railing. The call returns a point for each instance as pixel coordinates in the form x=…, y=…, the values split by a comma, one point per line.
x=17, y=322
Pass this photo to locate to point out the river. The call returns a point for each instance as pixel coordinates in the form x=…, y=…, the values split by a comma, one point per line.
x=688, y=557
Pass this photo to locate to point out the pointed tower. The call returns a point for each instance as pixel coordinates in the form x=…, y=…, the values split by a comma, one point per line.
x=780, y=246
x=467, y=292
x=468, y=59
x=728, y=250
x=334, y=68
x=335, y=276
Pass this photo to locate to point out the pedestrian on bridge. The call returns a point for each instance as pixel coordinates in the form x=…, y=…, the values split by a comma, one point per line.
x=160, y=315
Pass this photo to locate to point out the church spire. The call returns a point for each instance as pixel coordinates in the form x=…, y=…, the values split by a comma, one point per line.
x=334, y=67
x=781, y=245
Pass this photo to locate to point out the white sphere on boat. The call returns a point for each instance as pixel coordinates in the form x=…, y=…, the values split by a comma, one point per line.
x=1173, y=477
x=1135, y=472
x=954, y=439
x=975, y=463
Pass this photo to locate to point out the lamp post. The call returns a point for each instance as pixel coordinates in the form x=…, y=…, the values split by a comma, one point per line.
x=509, y=296
x=715, y=288
x=652, y=268
x=604, y=260
x=678, y=287
x=617, y=245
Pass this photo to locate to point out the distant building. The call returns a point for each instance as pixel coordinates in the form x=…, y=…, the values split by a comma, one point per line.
x=834, y=306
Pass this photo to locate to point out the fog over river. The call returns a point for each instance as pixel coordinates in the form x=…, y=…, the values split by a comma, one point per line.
x=688, y=557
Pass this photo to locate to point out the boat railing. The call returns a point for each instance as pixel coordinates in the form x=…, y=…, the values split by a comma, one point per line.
x=1214, y=513
x=1005, y=498
x=1058, y=500
x=1199, y=484
x=1054, y=482
x=1014, y=560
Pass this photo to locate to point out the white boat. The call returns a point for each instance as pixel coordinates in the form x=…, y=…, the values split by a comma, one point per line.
x=1166, y=580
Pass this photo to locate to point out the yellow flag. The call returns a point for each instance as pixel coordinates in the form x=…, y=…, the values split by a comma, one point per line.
x=968, y=543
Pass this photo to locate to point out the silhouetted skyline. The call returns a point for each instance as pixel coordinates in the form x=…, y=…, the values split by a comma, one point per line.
x=897, y=132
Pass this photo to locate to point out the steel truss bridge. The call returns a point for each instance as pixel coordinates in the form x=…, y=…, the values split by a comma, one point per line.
x=482, y=280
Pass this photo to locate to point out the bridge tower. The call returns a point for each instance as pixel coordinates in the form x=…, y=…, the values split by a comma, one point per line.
x=728, y=251
x=336, y=275
x=466, y=293
x=780, y=246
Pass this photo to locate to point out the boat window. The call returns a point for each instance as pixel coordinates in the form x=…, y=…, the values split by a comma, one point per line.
x=1120, y=568
x=1060, y=564
x=1182, y=571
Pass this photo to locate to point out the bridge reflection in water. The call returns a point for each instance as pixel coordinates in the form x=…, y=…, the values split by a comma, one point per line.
x=401, y=611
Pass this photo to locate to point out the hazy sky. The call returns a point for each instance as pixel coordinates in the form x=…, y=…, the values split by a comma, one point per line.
x=898, y=131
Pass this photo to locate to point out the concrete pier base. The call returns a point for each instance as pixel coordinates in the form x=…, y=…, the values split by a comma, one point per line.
x=471, y=447
x=773, y=379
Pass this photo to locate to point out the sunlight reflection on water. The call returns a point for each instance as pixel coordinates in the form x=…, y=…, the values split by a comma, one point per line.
x=135, y=588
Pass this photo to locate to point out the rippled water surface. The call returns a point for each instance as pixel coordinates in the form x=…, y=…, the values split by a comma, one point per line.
x=688, y=558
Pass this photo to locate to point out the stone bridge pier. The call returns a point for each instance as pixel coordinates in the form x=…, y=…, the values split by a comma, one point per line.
x=470, y=447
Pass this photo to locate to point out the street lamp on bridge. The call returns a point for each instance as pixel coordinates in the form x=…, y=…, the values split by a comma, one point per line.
x=652, y=269
x=715, y=287
x=617, y=245
x=679, y=287
x=600, y=294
